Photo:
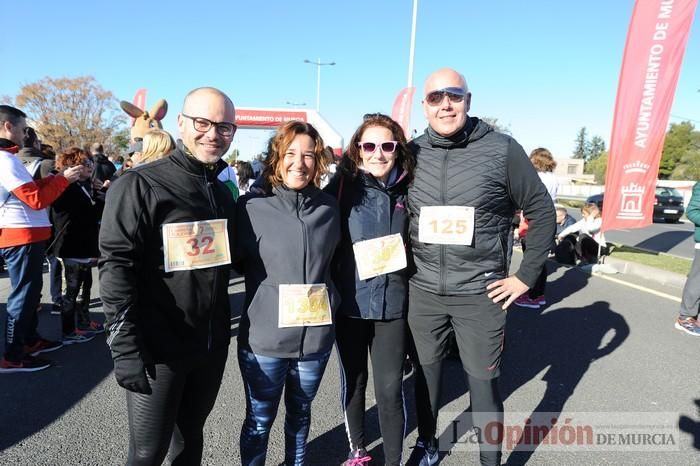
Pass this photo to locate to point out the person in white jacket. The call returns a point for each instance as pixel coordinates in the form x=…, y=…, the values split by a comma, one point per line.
x=590, y=238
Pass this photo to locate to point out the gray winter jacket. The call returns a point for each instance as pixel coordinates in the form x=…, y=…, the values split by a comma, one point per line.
x=285, y=237
x=489, y=171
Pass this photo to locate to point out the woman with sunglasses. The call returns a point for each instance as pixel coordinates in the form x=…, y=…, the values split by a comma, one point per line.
x=370, y=272
x=284, y=242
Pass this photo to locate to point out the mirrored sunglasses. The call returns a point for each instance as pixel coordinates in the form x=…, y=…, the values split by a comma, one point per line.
x=455, y=94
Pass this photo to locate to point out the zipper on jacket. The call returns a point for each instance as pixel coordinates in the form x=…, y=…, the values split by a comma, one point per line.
x=215, y=210
x=304, y=241
x=443, y=247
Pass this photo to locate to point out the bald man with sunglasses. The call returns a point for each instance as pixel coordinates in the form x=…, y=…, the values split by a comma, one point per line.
x=469, y=181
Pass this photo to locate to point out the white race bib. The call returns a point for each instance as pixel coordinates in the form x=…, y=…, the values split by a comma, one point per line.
x=446, y=225
x=304, y=305
x=379, y=256
x=196, y=245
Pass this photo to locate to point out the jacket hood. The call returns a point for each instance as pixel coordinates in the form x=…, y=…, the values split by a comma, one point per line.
x=473, y=130
x=8, y=146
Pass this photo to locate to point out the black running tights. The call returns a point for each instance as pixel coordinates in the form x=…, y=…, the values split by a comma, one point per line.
x=172, y=418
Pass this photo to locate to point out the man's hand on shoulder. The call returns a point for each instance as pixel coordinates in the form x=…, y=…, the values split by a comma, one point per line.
x=507, y=289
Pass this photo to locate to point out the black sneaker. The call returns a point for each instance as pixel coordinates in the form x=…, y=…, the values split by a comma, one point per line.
x=27, y=364
x=425, y=453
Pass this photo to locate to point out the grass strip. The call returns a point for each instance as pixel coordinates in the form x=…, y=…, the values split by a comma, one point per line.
x=658, y=260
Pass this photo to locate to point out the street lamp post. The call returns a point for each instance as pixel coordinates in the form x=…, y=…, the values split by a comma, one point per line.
x=318, y=64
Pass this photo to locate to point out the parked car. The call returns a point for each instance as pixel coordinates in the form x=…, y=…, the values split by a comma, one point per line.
x=668, y=204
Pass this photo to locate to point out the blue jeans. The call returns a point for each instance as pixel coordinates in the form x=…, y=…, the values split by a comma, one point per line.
x=25, y=264
x=56, y=279
x=264, y=379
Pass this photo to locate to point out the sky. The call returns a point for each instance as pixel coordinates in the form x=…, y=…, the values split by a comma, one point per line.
x=542, y=68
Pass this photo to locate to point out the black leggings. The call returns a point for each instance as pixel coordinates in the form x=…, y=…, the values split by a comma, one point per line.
x=486, y=406
x=173, y=416
x=385, y=340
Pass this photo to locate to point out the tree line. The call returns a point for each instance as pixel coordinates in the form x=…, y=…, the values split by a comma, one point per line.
x=680, y=158
x=73, y=112
x=69, y=112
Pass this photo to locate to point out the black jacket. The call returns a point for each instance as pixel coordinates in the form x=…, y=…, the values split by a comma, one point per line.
x=104, y=169
x=489, y=171
x=75, y=224
x=369, y=210
x=284, y=237
x=162, y=316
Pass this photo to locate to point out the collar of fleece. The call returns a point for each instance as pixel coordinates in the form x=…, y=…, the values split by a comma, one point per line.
x=8, y=146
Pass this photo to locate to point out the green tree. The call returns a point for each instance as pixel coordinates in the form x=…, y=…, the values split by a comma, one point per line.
x=581, y=144
x=121, y=139
x=596, y=148
x=598, y=167
x=69, y=112
x=688, y=168
x=681, y=141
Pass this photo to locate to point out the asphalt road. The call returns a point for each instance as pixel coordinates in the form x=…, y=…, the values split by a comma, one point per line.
x=672, y=238
x=598, y=347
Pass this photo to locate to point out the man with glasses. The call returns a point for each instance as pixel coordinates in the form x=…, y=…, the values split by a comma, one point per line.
x=469, y=182
x=164, y=271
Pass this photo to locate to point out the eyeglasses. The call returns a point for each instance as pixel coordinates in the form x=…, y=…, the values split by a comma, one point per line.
x=455, y=94
x=388, y=147
x=87, y=163
x=203, y=125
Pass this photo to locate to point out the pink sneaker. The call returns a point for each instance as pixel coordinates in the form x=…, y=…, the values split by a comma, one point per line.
x=540, y=300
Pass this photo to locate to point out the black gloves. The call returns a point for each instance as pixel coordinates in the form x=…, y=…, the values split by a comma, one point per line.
x=130, y=372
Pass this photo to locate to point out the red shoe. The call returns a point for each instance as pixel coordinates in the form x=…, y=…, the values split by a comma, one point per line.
x=525, y=301
x=42, y=345
x=27, y=364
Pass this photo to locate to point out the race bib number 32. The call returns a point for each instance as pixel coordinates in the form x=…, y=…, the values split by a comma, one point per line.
x=196, y=245
x=446, y=225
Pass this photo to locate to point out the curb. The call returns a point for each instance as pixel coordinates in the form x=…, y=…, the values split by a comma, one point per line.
x=646, y=272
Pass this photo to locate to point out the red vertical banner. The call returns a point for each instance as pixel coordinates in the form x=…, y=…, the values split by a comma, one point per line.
x=654, y=51
x=139, y=101
x=401, y=113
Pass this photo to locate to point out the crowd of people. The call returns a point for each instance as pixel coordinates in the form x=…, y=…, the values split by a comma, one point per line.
x=403, y=251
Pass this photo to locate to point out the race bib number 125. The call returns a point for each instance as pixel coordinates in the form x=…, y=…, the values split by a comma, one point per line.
x=446, y=225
